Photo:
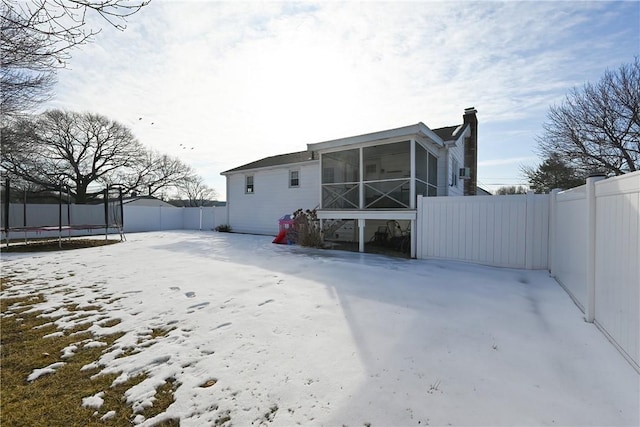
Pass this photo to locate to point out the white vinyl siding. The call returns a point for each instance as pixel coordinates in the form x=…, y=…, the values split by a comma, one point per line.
x=456, y=161
x=272, y=197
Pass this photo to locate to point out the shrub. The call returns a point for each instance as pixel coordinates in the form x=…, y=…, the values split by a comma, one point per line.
x=225, y=228
x=306, y=229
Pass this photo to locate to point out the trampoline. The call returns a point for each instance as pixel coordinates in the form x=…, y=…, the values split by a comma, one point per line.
x=62, y=220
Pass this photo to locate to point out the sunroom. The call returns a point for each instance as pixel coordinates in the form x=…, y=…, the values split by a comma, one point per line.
x=370, y=183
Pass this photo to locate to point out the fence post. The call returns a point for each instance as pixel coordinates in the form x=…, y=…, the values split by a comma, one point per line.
x=419, y=227
x=106, y=213
x=7, y=201
x=59, y=215
x=528, y=234
x=553, y=215
x=590, y=309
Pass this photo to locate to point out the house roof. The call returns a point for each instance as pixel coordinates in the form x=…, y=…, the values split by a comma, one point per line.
x=449, y=132
x=145, y=201
x=402, y=132
x=282, y=159
x=482, y=192
x=444, y=134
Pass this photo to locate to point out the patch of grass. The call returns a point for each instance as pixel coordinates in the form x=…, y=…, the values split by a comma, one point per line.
x=126, y=352
x=56, y=399
x=76, y=307
x=109, y=323
x=20, y=304
x=145, y=340
x=164, y=398
x=54, y=245
x=160, y=332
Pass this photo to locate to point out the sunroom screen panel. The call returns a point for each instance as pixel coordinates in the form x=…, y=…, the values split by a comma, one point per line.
x=340, y=196
x=387, y=194
x=341, y=166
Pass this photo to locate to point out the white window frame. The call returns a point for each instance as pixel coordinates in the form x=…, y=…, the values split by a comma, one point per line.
x=297, y=178
x=249, y=188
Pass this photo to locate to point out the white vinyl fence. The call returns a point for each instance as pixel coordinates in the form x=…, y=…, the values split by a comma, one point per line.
x=595, y=255
x=503, y=231
x=587, y=237
x=155, y=218
x=136, y=218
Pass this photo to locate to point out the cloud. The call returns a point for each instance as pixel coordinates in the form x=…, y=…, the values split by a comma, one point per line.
x=239, y=81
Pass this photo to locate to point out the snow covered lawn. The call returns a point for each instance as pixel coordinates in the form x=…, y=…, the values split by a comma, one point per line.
x=283, y=335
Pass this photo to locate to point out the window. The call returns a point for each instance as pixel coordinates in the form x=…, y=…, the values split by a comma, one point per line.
x=294, y=178
x=432, y=175
x=454, y=172
x=248, y=180
x=426, y=172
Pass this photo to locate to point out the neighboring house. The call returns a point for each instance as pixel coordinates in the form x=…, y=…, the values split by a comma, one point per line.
x=482, y=192
x=359, y=184
x=145, y=201
x=184, y=203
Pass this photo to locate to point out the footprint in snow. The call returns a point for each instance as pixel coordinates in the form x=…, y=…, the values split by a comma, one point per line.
x=174, y=288
x=265, y=302
x=190, y=294
x=198, y=306
x=222, y=325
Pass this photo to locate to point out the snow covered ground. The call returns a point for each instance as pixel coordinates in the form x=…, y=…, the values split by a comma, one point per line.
x=293, y=335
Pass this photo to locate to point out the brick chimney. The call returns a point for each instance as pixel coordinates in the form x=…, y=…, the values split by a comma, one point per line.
x=471, y=151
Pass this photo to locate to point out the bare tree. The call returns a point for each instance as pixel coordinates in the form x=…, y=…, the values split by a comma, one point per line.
x=37, y=38
x=598, y=128
x=27, y=74
x=195, y=191
x=77, y=149
x=511, y=190
x=85, y=149
x=155, y=174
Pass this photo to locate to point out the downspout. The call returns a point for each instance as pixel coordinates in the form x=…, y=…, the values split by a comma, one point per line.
x=361, y=179
x=412, y=174
x=228, y=219
x=412, y=196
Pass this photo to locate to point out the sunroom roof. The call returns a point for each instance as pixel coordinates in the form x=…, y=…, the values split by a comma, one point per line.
x=438, y=135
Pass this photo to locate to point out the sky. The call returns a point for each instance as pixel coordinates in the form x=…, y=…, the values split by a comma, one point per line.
x=221, y=84
x=300, y=336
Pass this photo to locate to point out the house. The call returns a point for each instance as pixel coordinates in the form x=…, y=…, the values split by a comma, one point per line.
x=361, y=185
x=146, y=201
